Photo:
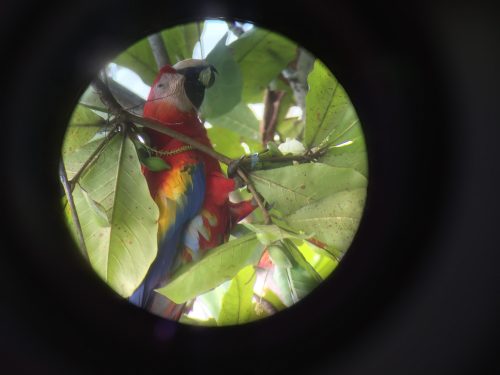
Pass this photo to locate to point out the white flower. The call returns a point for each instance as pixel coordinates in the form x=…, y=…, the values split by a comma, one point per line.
x=292, y=146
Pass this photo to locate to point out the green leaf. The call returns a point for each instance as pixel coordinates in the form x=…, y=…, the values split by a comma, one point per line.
x=292, y=187
x=290, y=128
x=329, y=112
x=273, y=149
x=279, y=256
x=323, y=263
x=75, y=160
x=294, y=283
x=155, y=164
x=90, y=99
x=228, y=142
x=333, y=220
x=274, y=300
x=140, y=59
x=262, y=55
x=348, y=154
x=118, y=217
x=268, y=234
x=218, y=265
x=212, y=300
x=237, y=305
x=241, y=120
x=180, y=41
x=300, y=261
x=300, y=278
x=83, y=126
x=226, y=90
x=100, y=216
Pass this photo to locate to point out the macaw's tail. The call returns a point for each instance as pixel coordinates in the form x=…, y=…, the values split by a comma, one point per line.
x=158, y=275
x=158, y=304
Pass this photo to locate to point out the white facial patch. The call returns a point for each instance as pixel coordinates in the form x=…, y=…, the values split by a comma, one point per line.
x=170, y=88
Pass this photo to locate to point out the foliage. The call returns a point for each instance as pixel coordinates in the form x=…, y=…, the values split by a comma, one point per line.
x=316, y=204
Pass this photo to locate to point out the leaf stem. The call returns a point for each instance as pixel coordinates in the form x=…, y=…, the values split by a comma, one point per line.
x=76, y=221
x=93, y=157
x=256, y=195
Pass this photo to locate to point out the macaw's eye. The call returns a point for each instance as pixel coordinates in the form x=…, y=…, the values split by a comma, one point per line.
x=161, y=85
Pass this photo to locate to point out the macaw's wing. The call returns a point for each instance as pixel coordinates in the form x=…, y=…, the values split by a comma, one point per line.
x=212, y=226
x=179, y=194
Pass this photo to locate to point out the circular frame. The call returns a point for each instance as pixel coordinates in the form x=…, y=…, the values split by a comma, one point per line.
x=396, y=82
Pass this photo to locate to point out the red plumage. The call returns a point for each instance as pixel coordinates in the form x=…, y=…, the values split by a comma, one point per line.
x=188, y=227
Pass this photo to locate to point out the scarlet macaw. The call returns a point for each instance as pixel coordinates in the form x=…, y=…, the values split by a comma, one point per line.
x=192, y=195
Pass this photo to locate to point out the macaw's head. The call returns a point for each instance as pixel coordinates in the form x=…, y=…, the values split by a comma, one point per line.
x=183, y=85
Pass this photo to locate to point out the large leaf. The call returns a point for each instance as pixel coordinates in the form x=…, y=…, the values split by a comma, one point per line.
x=180, y=41
x=329, y=112
x=295, y=283
x=83, y=125
x=226, y=91
x=296, y=277
x=315, y=256
x=290, y=188
x=348, y=154
x=298, y=260
x=218, y=265
x=237, y=306
x=212, y=300
x=75, y=160
x=272, y=298
x=268, y=234
x=262, y=55
x=290, y=128
x=118, y=217
x=240, y=119
x=333, y=220
x=228, y=142
x=140, y=59
x=90, y=99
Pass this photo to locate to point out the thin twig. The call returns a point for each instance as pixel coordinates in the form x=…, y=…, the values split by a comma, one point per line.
x=93, y=157
x=76, y=221
x=256, y=195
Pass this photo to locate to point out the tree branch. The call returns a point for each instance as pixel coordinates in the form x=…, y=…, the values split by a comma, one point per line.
x=272, y=102
x=74, y=215
x=159, y=50
x=161, y=128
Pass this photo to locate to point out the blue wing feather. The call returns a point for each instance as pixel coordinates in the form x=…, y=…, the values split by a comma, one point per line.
x=171, y=244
